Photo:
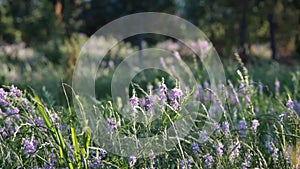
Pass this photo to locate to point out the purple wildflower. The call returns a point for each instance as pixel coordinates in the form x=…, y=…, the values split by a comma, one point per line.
x=217, y=127
x=206, y=85
x=39, y=121
x=3, y=95
x=195, y=148
x=15, y=91
x=55, y=117
x=174, y=104
x=111, y=63
x=235, y=150
x=3, y=133
x=12, y=110
x=208, y=159
x=142, y=102
x=3, y=102
x=242, y=87
x=290, y=104
x=225, y=126
x=247, y=162
x=152, y=159
x=242, y=127
x=247, y=99
x=95, y=163
x=8, y=123
x=134, y=101
x=234, y=100
x=175, y=94
x=219, y=148
x=185, y=164
x=245, y=165
x=162, y=92
x=203, y=135
x=111, y=125
x=132, y=160
x=275, y=153
x=148, y=103
x=29, y=147
x=52, y=159
x=281, y=116
x=255, y=124
x=176, y=55
x=204, y=46
x=277, y=84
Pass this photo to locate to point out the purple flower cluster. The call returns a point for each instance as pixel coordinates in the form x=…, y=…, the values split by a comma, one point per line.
x=225, y=127
x=29, y=147
x=273, y=150
x=14, y=112
x=95, y=162
x=204, y=47
x=290, y=104
x=203, y=136
x=175, y=96
x=247, y=162
x=3, y=97
x=219, y=148
x=255, y=124
x=281, y=116
x=3, y=133
x=242, y=127
x=148, y=103
x=235, y=150
x=15, y=91
x=162, y=93
x=132, y=160
x=52, y=160
x=217, y=127
x=208, y=159
x=134, y=101
x=111, y=124
x=195, y=148
x=185, y=164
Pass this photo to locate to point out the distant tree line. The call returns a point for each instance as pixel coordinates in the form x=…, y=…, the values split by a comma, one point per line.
x=230, y=24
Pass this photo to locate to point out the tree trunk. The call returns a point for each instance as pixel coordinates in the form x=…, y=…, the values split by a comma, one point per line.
x=243, y=30
x=272, y=35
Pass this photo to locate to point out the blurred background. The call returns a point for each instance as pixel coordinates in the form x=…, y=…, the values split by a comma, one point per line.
x=40, y=39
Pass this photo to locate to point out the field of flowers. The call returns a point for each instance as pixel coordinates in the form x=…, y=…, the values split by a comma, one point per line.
x=259, y=124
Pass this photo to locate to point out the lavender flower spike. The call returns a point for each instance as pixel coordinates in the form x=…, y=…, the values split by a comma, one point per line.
x=255, y=124
x=132, y=161
x=29, y=147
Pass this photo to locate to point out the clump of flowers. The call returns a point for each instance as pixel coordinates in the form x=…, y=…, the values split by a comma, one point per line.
x=242, y=127
x=225, y=127
x=131, y=161
x=195, y=148
x=208, y=159
x=255, y=124
x=185, y=164
x=29, y=147
x=219, y=148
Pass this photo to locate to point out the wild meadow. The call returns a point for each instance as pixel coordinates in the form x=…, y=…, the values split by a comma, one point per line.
x=167, y=84
x=258, y=119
